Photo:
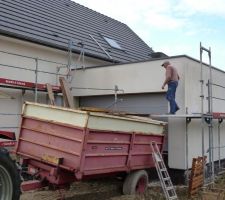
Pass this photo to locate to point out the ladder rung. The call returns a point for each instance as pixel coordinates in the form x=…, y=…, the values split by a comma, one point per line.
x=170, y=188
x=174, y=197
x=166, y=179
x=163, y=170
x=157, y=157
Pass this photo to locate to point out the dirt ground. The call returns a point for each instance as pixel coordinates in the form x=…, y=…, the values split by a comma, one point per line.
x=104, y=189
x=110, y=189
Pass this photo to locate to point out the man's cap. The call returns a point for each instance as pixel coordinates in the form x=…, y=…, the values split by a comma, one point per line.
x=165, y=63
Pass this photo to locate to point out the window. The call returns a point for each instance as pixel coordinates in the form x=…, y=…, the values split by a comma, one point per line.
x=112, y=43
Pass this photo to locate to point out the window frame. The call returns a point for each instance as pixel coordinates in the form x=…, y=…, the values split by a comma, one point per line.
x=112, y=43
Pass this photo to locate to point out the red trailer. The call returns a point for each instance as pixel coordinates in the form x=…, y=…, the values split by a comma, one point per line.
x=60, y=146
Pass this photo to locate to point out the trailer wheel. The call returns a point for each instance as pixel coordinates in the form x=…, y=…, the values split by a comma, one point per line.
x=9, y=177
x=136, y=182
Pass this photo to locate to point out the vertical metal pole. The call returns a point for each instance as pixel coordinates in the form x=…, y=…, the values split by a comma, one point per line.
x=69, y=53
x=116, y=98
x=210, y=78
x=36, y=80
x=83, y=66
x=22, y=96
x=219, y=143
x=188, y=120
x=70, y=46
x=202, y=106
x=210, y=110
x=211, y=113
x=56, y=75
x=210, y=129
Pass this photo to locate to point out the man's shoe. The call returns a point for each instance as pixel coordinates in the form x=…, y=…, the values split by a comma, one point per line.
x=177, y=109
x=171, y=113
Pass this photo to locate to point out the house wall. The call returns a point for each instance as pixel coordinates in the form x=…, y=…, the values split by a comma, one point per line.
x=147, y=77
x=13, y=106
x=192, y=104
x=142, y=77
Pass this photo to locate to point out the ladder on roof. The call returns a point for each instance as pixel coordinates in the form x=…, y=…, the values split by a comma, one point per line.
x=163, y=174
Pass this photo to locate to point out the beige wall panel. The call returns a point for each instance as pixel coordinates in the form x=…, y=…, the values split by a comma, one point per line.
x=56, y=114
x=116, y=123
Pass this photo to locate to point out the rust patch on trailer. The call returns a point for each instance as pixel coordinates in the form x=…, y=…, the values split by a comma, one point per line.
x=52, y=159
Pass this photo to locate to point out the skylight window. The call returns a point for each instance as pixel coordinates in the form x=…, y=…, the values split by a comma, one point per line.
x=112, y=43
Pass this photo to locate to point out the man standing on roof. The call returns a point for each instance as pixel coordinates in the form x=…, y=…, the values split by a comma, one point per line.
x=171, y=80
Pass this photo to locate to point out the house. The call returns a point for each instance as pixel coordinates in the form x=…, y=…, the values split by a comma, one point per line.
x=47, y=36
x=109, y=66
x=54, y=23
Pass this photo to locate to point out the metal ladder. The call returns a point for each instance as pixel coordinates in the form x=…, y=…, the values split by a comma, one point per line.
x=163, y=174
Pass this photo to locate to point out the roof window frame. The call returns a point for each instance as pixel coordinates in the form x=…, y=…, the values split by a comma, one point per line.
x=113, y=43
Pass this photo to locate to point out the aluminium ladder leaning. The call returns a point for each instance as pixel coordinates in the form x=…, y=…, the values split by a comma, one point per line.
x=163, y=174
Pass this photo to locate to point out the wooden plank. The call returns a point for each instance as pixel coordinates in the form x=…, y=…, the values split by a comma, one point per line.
x=50, y=94
x=94, y=109
x=197, y=175
x=199, y=172
x=197, y=179
x=197, y=183
x=67, y=96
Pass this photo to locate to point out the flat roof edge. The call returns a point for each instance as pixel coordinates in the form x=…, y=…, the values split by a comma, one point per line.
x=155, y=59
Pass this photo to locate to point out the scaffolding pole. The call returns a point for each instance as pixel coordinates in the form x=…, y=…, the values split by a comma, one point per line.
x=202, y=106
x=36, y=80
x=210, y=111
x=219, y=142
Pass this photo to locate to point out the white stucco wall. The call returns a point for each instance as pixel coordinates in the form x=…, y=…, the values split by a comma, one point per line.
x=35, y=51
x=139, y=77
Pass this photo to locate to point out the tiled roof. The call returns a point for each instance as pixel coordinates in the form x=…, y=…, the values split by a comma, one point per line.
x=55, y=22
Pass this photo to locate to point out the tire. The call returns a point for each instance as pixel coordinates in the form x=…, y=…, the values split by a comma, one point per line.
x=9, y=177
x=135, y=182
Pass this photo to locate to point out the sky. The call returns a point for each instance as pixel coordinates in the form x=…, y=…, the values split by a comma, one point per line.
x=174, y=27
